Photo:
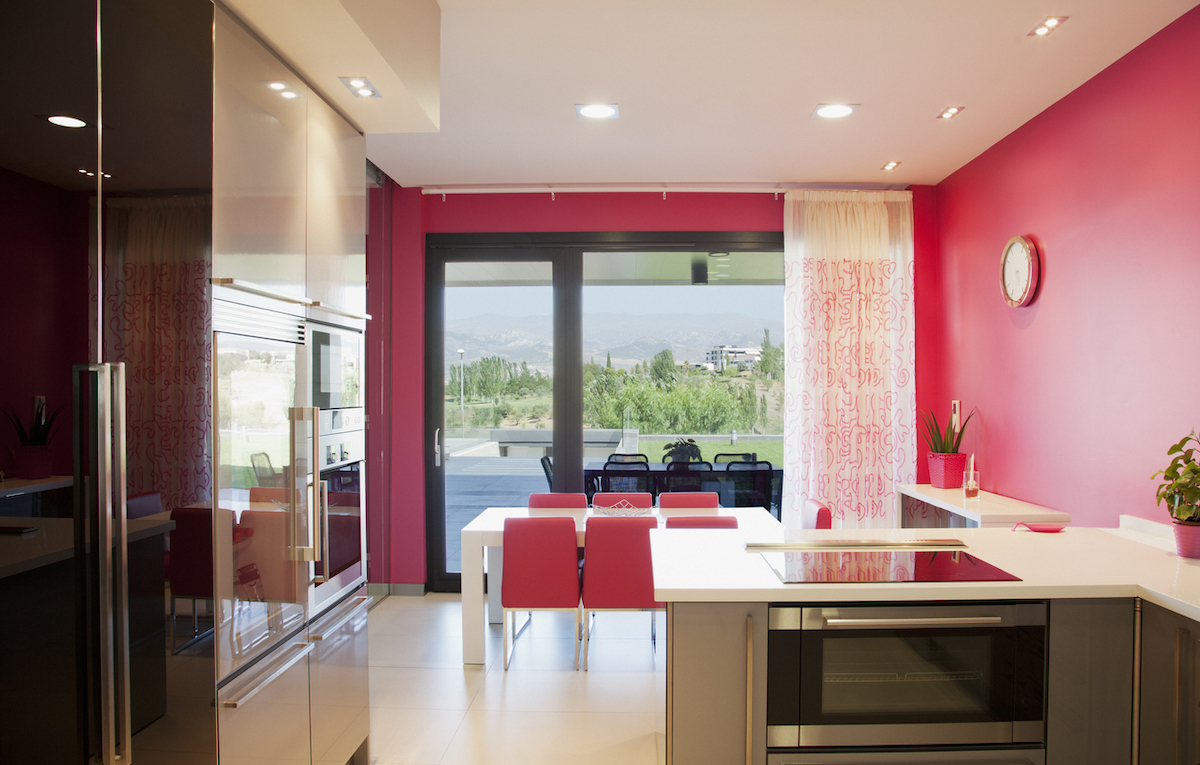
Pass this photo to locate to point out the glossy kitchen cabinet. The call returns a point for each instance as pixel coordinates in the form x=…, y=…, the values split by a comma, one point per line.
x=337, y=211
x=339, y=684
x=1169, y=729
x=260, y=156
x=263, y=714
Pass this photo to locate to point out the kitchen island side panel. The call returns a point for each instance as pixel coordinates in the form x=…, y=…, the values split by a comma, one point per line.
x=706, y=683
x=1089, y=705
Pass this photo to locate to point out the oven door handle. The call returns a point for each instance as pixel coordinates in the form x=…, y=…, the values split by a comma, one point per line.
x=911, y=622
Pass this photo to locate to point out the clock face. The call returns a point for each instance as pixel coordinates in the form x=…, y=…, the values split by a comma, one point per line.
x=1018, y=271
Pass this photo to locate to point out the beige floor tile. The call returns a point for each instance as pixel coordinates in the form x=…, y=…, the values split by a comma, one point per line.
x=425, y=687
x=422, y=651
x=434, y=622
x=412, y=736
x=553, y=738
x=569, y=691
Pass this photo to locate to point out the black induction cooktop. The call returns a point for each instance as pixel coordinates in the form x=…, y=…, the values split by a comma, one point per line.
x=851, y=566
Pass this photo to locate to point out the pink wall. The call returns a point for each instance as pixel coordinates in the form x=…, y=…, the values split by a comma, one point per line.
x=43, y=304
x=1080, y=393
x=927, y=310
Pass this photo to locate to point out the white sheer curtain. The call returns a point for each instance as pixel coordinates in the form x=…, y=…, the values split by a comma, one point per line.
x=158, y=320
x=850, y=397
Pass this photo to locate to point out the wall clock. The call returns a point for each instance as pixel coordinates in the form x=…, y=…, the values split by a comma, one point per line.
x=1019, y=271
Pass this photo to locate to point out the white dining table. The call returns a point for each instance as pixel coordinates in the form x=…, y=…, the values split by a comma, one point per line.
x=485, y=536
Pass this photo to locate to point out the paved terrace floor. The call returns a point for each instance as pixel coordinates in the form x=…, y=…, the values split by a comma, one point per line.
x=474, y=484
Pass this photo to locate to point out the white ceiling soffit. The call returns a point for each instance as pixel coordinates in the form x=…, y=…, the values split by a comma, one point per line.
x=393, y=43
x=721, y=92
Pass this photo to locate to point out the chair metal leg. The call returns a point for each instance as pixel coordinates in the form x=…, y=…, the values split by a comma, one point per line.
x=505, y=617
x=576, y=614
x=587, y=637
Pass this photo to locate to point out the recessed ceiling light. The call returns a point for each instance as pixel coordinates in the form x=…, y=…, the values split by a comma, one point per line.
x=288, y=94
x=891, y=165
x=1048, y=25
x=834, y=111
x=277, y=85
x=64, y=121
x=597, y=111
x=361, y=87
x=106, y=175
x=950, y=112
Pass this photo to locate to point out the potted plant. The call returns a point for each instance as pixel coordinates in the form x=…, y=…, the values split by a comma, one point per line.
x=32, y=457
x=1180, y=489
x=682, y=450
x=946, y=462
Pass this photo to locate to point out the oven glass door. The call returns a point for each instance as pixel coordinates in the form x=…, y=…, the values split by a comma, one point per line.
x=339, y=567
x=906, y=676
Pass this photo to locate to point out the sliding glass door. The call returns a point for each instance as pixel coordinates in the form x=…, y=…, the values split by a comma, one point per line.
x=545, y=353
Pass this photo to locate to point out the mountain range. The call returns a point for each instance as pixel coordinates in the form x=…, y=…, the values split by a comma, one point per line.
x=629, y=338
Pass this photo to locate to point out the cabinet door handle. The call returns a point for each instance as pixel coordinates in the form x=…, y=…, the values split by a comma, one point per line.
x=303, y=649
x=341, y=311
x=358, y=604
x=242, y=285
x=933, y=621
x=749, y=690
x=1182, y=645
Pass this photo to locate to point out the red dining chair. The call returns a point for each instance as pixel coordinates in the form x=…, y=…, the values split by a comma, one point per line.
x=623, y=499
x=541, y=572
x=702, y=522
x=617, y=575
x=191, y=572
x=815, y=516
x=688, y=499
x=561, y=500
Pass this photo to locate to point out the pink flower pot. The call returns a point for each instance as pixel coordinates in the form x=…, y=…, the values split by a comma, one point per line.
x=32, y=462
x=1187, y=539
x=946, y=470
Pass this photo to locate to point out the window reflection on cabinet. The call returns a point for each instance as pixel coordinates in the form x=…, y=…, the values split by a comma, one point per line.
x=260, y=126
x=337, y=195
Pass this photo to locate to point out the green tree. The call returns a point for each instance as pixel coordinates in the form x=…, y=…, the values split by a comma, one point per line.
x=662, y=367
x=608, y=361
x=770, y=360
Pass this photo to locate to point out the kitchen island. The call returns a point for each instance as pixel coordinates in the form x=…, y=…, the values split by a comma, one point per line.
x=718, y=596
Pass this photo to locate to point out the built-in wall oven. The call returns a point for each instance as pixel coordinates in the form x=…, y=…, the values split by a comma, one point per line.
x=339, y=451
x=901, y=677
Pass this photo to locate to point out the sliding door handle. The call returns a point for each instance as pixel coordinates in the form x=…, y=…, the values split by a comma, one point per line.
x=437, y=447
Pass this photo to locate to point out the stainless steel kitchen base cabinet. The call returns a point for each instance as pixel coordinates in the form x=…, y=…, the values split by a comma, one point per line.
x=1089, y=688
x=1170, y=718
x=716, y=683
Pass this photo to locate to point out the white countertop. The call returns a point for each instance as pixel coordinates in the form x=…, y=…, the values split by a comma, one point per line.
x=712, y=565
x=987, y=509
x=13, y=487
x=54, y=540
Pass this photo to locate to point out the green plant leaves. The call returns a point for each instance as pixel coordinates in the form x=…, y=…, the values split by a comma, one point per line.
x=1180, y=487
x=939, y=441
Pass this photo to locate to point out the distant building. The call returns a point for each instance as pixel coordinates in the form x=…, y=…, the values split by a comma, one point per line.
x=722, y=356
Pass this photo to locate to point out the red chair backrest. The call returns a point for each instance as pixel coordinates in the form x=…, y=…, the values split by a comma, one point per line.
x=560, y=499
x=541, y=568
x=630, y=498
x=816, y=515
x=616, y=565
x=688, y=499
x=191, y=569
x=702, y=522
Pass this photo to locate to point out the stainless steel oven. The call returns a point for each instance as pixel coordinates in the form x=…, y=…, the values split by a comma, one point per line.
x=906, y=675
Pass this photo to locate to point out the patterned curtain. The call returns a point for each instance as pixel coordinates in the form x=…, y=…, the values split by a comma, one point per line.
x=850, y=398
x=158, y=320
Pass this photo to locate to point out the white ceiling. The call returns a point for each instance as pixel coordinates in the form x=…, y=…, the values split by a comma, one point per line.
x=720, y=92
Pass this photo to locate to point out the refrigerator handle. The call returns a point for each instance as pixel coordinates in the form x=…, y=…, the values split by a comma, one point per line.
x=124, y=729
x=314, y=510
x=100, y=413
x=299, y=550
x=323, y=550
